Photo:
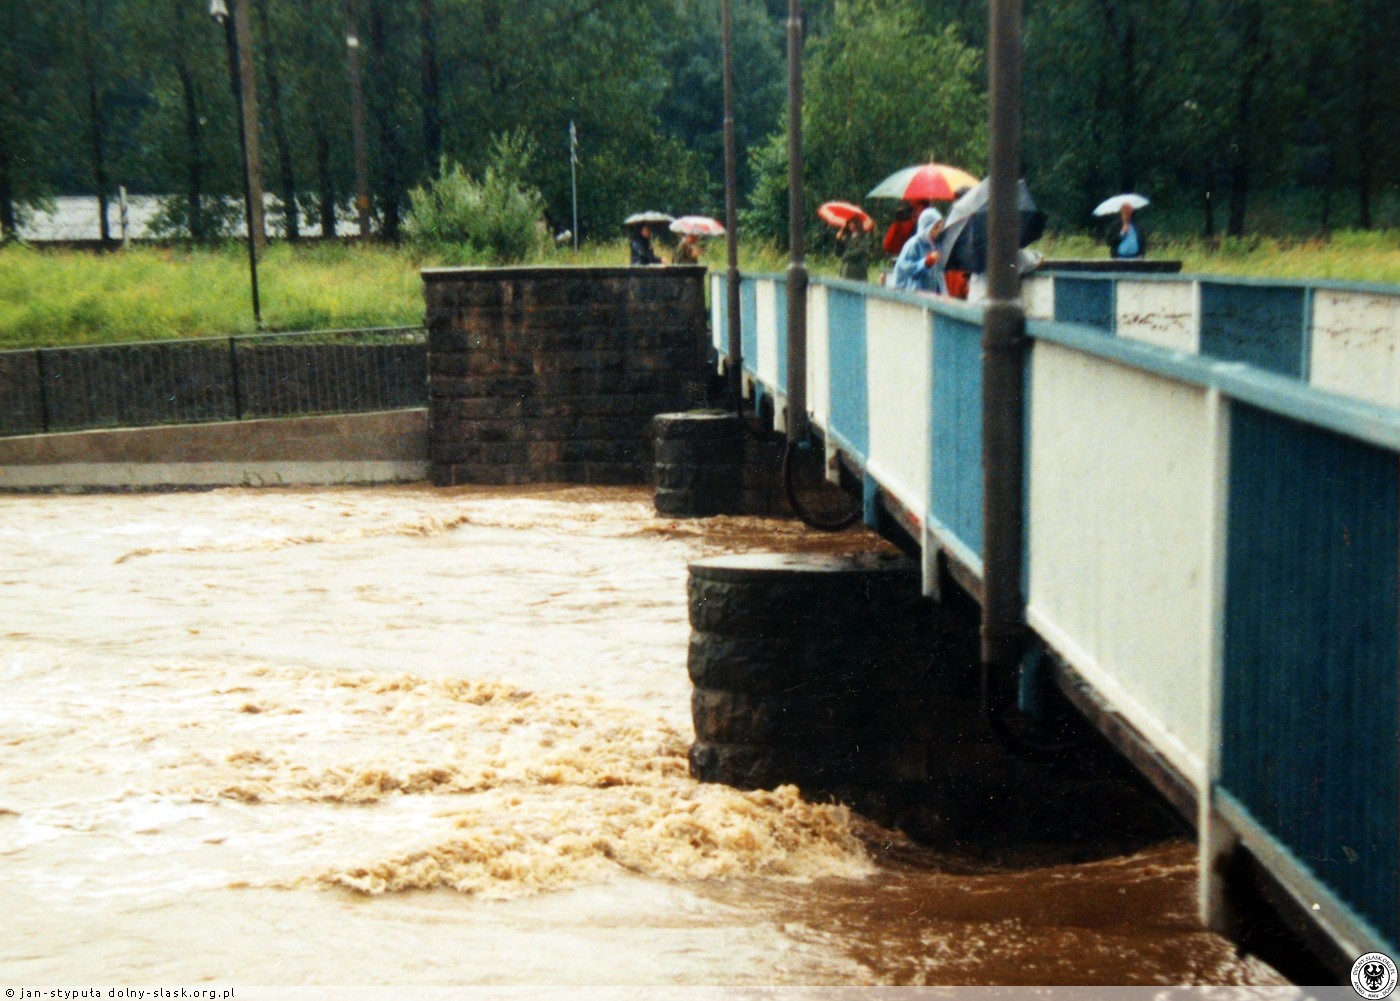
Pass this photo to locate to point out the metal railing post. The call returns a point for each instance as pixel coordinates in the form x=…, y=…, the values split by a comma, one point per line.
x=1003, y=360
x=43, y=389
x=233, y=379
x=734, y=314
x=797, y=269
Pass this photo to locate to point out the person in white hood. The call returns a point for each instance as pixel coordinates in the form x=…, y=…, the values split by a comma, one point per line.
x=918, y=268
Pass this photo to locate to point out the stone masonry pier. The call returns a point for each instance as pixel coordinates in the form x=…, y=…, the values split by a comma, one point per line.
x=554, y=374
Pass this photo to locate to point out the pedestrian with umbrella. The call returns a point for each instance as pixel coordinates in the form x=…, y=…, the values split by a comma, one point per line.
x=852, y=237
x=639, y=226
x=690, y=228
x=917, y=187
x=918, y=269
x=1125, y=238
x=963, y=242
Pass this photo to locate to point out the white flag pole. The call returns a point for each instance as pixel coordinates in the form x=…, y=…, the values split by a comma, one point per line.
x=573, y=176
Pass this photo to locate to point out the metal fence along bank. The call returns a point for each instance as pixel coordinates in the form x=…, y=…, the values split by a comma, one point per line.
x=212, y=379
x=1212, y=531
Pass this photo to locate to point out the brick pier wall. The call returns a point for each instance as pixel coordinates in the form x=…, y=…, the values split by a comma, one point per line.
x=554, y=374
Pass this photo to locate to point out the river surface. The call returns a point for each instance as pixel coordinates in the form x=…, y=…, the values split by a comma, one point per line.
x=430, y=737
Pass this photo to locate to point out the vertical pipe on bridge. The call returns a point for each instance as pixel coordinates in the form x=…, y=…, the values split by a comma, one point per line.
x=731, y=216
x=797, y=270
x=1003, y=359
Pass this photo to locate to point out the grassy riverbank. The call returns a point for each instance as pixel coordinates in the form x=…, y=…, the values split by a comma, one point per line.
x=69, y=297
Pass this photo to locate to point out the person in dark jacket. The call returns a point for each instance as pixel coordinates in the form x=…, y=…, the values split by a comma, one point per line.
x=853, y=249
x=1125, y=239
x=641, y=246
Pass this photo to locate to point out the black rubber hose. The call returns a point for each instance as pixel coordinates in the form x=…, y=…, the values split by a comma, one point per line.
x=809, y=517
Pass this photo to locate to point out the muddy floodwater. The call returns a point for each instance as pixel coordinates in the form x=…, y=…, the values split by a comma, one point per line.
x=430, y=737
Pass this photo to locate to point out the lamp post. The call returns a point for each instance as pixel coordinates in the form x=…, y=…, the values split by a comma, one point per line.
x=218, y=10
x=357, y=121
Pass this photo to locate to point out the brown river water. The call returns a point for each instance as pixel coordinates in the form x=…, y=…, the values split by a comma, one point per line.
x=431, y=737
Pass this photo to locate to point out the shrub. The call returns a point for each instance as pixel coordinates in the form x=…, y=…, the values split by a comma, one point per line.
x=497, y=219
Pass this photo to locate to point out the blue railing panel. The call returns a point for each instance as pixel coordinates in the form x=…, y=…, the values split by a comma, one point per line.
x=1085, y=300
x=1260, y=325
x=1311, y=709
x=955, y=494
x=748, y=323
x=850, y=405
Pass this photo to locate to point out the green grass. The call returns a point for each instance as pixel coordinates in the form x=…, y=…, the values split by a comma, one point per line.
x=50, y=298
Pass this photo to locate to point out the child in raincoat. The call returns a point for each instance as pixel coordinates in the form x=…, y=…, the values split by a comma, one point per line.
x=917, y=268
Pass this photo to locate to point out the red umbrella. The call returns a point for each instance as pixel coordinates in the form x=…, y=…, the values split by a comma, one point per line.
x=926, y=182
x=839, y=213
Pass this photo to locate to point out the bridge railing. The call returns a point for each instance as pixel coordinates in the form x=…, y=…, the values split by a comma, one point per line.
x=1340, y=336
x=1213, y=546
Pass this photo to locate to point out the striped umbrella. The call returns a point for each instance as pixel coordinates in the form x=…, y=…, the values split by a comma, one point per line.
x=925, y=182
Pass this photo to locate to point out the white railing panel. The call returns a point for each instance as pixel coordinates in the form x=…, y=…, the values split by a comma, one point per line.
x=719, y=321
x=1122, y=539
x=1038, y=297
x=766, y=299
x=1164, y=313
x=818, y=356
x=899, y=381
x=1356, y=345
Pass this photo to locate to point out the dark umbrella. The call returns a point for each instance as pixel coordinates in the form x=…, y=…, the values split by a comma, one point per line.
x=963, y=242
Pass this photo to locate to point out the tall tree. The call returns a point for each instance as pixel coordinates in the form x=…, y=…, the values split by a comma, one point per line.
x=862, y=118
x=28, y=71
x=432, y=84
x=692, y=106
x=269, y=49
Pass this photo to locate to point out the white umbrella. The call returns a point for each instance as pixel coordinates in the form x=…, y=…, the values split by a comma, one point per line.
x=647, y=218
x=1114, y=205
x=697, y=225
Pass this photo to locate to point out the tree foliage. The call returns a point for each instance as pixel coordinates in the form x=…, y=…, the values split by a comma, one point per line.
x=1281, y=115
x=881, y=91
x=494, y=218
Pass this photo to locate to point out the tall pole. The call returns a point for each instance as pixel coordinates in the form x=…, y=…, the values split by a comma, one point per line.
x=220, y=13
x=1003, y=360
x=797, y=270
x=357, y=120
x=731, y=215
x=573, y=176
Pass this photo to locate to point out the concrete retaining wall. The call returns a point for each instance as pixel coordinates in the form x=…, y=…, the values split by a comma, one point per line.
x=381, y=447
x=554, y=374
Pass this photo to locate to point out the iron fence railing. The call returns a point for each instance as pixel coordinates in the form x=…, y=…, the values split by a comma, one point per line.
x=212, y=379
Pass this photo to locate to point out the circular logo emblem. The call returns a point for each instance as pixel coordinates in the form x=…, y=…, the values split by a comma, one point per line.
x=1373, y=976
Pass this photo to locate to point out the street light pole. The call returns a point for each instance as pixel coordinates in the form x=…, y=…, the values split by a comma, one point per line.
x=218, y=10
x=357, y=120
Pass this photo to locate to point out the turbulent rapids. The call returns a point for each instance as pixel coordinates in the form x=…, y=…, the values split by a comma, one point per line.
x=428, y=737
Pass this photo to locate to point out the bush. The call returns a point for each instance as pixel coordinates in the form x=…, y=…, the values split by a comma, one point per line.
x=497, y=219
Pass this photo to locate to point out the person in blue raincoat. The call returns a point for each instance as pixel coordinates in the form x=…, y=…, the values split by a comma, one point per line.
x=1125, y=239
x=917, y=268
